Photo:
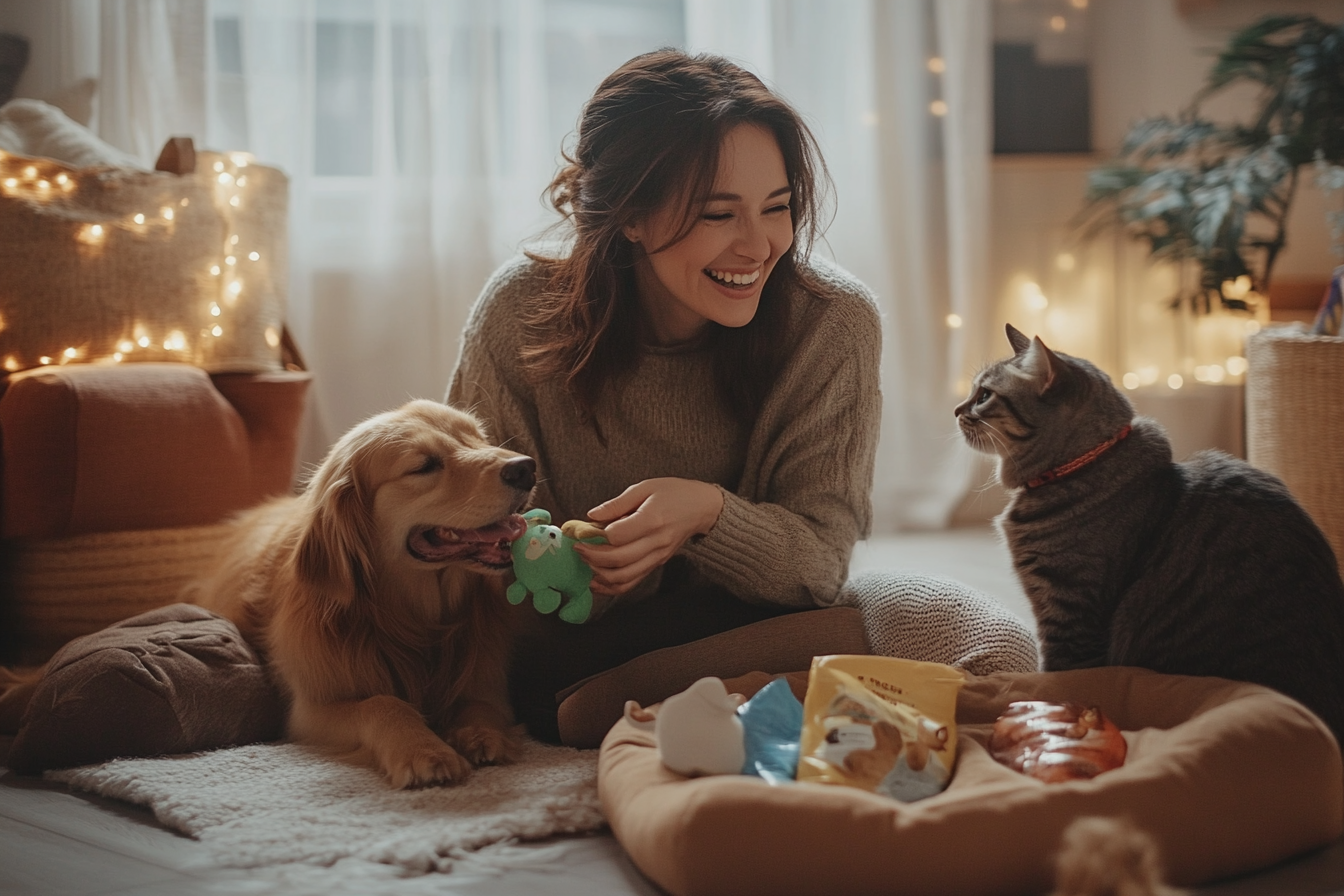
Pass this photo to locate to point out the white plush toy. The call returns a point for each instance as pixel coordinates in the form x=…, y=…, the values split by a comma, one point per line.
x=698, y=731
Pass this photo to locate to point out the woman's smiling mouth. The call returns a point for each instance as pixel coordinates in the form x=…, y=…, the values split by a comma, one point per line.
x=727, y=278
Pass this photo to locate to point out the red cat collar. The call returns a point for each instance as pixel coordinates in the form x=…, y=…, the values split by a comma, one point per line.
x=1078, y=463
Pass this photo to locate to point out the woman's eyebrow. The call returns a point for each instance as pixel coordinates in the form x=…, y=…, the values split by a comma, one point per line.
x=733, y=197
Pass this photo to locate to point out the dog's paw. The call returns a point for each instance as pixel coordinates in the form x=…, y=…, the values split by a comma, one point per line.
x=483, y=745
x=426, y=764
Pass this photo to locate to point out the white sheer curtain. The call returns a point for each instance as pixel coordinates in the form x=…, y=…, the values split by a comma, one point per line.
x=419, y=135
x=912, y=198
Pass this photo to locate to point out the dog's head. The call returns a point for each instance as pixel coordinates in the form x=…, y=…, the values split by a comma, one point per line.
x=415, y=488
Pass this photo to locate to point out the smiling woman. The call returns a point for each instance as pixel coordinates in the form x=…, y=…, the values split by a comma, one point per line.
x=687, y=375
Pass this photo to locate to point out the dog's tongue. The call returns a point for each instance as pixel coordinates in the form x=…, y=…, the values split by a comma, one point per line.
x=444, y=543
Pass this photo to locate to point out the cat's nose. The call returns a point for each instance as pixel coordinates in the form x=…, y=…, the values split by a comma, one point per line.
x=519, y=473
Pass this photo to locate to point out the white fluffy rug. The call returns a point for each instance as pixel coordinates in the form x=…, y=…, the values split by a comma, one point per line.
x=272, y=804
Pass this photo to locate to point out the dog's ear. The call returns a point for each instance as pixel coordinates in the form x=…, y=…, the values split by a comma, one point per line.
x=334, y=555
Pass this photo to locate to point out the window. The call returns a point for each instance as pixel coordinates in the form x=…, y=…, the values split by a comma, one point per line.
x=1042, y=97
x=365, y=50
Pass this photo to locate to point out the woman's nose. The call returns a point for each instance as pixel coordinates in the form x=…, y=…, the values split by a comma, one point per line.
x=753, y=240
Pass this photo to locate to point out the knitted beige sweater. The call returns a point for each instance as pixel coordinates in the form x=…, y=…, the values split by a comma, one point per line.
x=796, y=482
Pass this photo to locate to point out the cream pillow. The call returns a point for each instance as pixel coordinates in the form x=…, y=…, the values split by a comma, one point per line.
x=34, y=128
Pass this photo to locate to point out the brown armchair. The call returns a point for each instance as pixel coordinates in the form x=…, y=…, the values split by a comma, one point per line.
x=115, y=481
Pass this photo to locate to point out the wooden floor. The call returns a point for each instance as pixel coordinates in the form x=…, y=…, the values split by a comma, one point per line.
x=57, y=843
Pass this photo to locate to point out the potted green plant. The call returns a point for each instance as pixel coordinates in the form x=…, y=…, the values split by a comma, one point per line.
x=1217, y=195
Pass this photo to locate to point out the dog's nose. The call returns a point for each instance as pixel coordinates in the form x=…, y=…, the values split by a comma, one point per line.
x=520, y=473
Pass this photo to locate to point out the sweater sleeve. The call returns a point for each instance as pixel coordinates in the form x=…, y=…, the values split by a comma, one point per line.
x=787, y=535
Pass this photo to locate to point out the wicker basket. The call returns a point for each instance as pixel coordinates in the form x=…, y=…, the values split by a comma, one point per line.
x=61, y=588
x=1295, y=420
x=104, y=264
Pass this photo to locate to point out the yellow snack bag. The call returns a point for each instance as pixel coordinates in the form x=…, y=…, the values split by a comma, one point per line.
x=879, y=723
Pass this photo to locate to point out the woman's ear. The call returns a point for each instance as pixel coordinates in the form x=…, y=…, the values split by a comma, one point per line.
x=632, y=232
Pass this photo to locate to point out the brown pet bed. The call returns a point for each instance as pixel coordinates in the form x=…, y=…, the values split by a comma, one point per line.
x=1226, y=777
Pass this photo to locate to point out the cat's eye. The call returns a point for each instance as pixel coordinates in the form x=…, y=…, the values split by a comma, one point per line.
x=983, y=396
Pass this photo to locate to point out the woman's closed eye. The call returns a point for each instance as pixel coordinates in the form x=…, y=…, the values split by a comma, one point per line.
x=717, y=216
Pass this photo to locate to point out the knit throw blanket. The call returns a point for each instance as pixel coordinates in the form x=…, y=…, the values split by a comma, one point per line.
x=271, y=804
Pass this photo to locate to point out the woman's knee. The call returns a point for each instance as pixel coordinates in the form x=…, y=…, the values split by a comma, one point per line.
x=940, y=620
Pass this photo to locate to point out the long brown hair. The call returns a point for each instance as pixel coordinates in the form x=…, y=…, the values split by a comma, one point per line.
x=650, y=135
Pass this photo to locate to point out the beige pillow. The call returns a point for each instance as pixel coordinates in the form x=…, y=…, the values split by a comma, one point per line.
x=75, y=100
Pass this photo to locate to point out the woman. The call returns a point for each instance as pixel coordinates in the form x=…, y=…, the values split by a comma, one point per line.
x=683, y=373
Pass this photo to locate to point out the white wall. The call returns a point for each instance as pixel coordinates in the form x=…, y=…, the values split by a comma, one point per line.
x=50, y=68
x=1148, y=59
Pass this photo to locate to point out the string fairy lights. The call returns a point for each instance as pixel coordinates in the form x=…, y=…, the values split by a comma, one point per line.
x=52, y=190
x=1153, y=344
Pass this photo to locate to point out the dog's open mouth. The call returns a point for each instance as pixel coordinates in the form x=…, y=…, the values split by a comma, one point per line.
x=488, y=545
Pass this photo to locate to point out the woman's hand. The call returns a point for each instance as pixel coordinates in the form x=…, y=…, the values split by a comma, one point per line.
x=646, y=524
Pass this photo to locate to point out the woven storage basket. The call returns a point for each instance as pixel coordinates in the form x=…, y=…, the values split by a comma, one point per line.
x=119, y=264
x=61, y=588
x=1295, y=420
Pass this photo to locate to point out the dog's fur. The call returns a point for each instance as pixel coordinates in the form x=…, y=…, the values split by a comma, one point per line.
x=1109, y=857
x=376, y=598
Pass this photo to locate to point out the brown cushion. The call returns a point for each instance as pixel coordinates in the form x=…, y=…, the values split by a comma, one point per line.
x=99, y=448
x=173, y=680
x=781, y=644
x=1227, y=777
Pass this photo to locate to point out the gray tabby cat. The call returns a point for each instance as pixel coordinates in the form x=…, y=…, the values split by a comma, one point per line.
x=1207, y=567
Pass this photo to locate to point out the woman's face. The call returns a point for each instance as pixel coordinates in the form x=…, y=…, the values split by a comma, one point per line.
x=717, y=271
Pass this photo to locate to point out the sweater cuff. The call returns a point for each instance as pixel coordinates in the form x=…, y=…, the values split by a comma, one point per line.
x=731, y=552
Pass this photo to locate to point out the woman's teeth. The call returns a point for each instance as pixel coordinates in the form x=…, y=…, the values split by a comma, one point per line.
x=735, y=279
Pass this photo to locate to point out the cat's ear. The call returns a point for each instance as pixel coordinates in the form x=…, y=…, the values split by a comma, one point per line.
x=1017, y=339
x=1048, y=366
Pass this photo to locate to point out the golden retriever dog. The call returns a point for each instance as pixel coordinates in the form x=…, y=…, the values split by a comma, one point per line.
x=376, y=594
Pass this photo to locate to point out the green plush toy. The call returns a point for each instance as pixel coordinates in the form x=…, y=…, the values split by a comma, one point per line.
x=546, y=564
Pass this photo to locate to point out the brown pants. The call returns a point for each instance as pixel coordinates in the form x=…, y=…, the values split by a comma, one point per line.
x=552, y=654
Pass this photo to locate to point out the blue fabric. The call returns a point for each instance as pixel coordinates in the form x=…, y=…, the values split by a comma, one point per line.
x=773, y=724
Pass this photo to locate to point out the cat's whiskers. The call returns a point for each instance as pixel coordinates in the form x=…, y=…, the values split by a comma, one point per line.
x=1001, y=442
x=990, y=482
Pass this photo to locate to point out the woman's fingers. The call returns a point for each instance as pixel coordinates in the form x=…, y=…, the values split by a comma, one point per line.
x=603, y=558
x=646, y=525
x=618, y=569
x=625, y=503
